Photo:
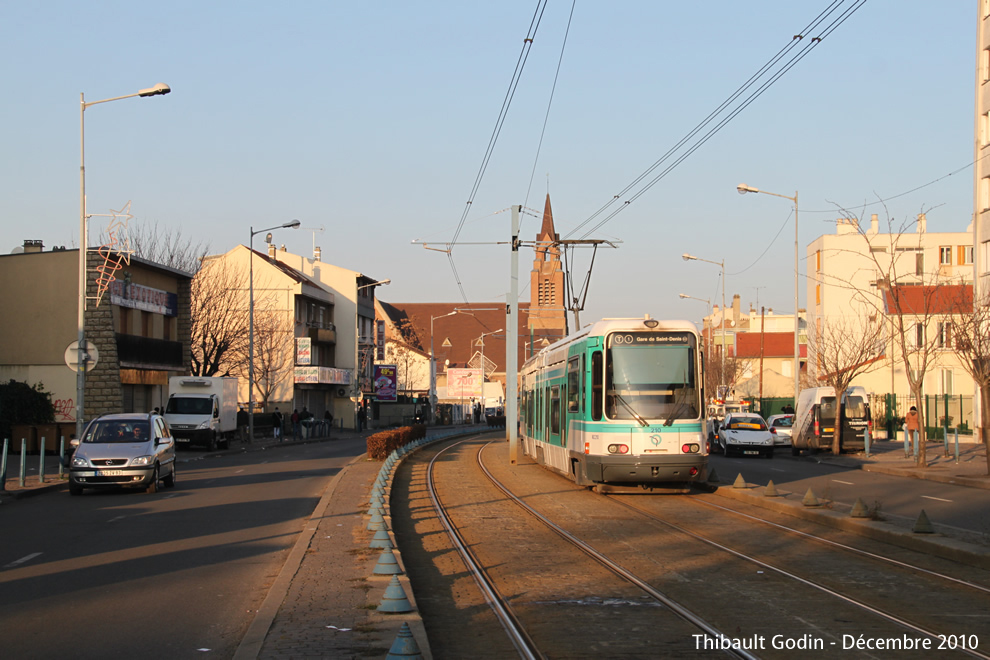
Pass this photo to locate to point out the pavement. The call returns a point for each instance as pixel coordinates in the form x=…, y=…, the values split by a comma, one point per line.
x=325, y=601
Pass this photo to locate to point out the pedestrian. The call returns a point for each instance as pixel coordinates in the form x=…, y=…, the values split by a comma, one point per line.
x=296, y=428
x=913, y=423
x=328, y=420
x=277, y=424
x=242, y=423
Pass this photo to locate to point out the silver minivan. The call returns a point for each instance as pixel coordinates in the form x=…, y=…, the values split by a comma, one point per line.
x=132, y=450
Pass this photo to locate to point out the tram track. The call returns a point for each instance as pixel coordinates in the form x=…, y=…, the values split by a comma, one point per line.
x=681, y=604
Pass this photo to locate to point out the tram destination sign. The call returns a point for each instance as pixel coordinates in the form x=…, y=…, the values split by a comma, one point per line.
x=650, y=338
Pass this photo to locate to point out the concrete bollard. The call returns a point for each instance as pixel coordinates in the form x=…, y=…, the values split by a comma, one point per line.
x=810, y=499
x=377, y=522
x=395, y=601
x=381, y=540
x=61, y=458
x=713, y=476
x=387, y=564
x=740, y=482
x=866, y=441
x=404, y=646
x=923, y=525
x=41, y=462
x=3, y=466
x=859, y=509
x=957, y=444
x=771, y=490
x=907, y=450
x=23, y=476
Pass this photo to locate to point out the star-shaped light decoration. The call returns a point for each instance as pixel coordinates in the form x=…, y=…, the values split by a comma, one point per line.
x=116, y=252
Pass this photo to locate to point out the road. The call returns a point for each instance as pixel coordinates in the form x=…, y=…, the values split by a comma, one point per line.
x=956, y=506
x=175, y=574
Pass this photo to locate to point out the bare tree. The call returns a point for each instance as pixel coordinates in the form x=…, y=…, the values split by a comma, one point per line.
x=906, y=292
x=166, y=246
x=412, y=366
x=970, y=336
x=274, y=348
x=844, y=348
x=219, y=335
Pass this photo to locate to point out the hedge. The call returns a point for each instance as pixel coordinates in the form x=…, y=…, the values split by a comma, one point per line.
x=383, y=443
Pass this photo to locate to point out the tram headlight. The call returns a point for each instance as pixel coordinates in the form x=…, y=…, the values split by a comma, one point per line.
x=691, y=448
x=618, y=449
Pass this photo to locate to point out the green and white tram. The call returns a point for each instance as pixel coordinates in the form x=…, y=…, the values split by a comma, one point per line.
x=618, y=403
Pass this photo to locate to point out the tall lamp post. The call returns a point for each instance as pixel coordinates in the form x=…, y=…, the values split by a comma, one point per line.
x=720, y=264
x=82, y=352
x=433, y=367
x=743, y=189
x=482, y=340
x=704, y=300
x=292, y=224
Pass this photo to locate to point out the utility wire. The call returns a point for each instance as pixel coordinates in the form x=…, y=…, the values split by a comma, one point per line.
x=775, y=73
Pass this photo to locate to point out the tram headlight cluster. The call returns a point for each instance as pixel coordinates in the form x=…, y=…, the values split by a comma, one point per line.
x=691, y=448
x=618, y=449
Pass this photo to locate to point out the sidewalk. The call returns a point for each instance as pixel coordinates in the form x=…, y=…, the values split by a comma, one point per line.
x=888, y=457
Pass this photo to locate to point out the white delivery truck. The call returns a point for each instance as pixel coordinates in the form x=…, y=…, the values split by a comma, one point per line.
x=202, y=410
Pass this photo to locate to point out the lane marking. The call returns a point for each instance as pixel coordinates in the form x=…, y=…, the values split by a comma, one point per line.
x=848, y=483
x=23, y=559
x=116, y=519
x=937, y=499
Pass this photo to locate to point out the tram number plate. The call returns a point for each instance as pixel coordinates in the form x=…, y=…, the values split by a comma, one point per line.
x=109, y=473
x=750, y=451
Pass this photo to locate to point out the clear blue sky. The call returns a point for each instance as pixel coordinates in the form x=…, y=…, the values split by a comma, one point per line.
x=370, y=120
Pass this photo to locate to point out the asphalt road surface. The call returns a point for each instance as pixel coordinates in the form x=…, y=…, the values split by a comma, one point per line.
x=176, y=574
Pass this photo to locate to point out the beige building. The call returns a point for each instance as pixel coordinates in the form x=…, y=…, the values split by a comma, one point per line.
x=140, y=328
x=328, y=331
x=846, y=275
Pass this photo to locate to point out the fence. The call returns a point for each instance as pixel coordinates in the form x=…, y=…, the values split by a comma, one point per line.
x=940, y=411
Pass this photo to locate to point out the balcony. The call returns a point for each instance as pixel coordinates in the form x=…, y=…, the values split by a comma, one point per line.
x=137, y=351
x=326, y=335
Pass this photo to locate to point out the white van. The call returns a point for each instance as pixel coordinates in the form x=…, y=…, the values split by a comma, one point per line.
x=815, y=419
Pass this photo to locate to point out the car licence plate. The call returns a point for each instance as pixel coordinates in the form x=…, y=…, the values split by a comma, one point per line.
x=750, y=451
x=109, y=473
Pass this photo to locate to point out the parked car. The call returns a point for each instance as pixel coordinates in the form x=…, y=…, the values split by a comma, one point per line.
x=132, y=450
x=815, y=421
x=780, y=427
x=747, y=434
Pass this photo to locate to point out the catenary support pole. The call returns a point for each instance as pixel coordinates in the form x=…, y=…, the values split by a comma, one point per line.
x=512, y=344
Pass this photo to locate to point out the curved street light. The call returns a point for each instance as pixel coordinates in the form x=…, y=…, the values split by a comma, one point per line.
x=720, y=264
x=292, y=224
x=83, y=355
x=742, y=188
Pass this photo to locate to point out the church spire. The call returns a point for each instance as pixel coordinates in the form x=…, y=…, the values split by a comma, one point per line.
x=547, y=228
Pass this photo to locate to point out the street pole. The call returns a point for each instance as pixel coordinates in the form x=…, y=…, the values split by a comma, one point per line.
x=512, y=344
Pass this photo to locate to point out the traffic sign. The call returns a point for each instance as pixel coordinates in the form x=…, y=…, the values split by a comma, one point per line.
x=91, y=355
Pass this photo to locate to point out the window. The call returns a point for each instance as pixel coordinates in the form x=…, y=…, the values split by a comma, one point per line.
x=597, y=385
x=818, y=260
x=985, y=256
x=555, y=410
x=966, y=255
x=919, y=335
x=946, y=382
x=944, y=335
x=945, y=256
x=125, y=315
x=984, y=129
x=985, y=193
x=573, y=384
x=818, y=294
x=919, y=263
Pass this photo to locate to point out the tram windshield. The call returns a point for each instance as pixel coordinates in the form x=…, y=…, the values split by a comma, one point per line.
x=651, y=376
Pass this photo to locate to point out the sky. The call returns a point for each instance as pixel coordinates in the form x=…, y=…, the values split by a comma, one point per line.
x=370, y=124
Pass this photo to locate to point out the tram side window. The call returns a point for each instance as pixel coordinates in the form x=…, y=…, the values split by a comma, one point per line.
x=597, y=386
x=555, y=410
x=573, y=384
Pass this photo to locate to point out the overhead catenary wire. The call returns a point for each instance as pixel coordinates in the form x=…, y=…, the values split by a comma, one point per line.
x=773, y=68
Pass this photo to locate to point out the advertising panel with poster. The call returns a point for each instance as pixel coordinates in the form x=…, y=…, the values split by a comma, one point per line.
x=386, y=383
x=463, y=383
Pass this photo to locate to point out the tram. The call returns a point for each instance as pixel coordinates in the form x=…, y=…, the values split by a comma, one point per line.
x=618, y=403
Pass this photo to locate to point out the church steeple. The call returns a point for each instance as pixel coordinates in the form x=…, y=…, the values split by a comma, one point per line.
x=546, y=307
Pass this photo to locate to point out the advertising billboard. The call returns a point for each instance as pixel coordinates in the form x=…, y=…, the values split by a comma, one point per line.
x=386, y=382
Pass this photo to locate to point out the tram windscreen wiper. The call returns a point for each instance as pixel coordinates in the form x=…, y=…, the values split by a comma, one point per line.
x=679, y=400
x=632, y=412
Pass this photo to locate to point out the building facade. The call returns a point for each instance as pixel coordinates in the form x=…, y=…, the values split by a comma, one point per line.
x=139, y=323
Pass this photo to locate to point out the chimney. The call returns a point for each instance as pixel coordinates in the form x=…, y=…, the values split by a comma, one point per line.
x=874, y=224
x=735, y=308
x=845, y=226
x=317, y=253
x=33, y=246
x=271, y=250
x=922, y=222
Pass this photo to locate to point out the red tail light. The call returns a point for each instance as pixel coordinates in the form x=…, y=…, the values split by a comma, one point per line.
x=773, y=430
x=817, y=431
x=587, y=448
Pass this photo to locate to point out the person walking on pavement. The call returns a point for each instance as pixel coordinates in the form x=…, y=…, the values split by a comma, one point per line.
x=296, y=429
x=913, y=423
x=277, y=424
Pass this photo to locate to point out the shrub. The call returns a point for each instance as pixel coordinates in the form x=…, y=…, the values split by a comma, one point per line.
x=383, y=443
x=22, y=404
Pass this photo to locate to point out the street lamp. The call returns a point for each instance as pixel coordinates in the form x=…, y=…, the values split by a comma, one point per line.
x=743, y=189
x=292, y=224
x=83, y=353
x=433, y=366
x=720, y=264
x=481, y=339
